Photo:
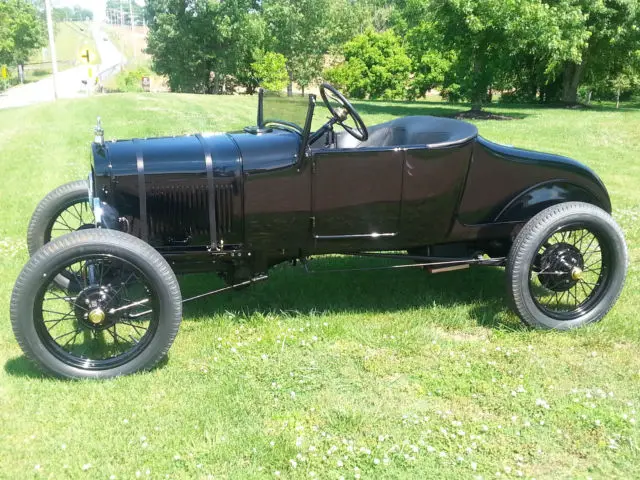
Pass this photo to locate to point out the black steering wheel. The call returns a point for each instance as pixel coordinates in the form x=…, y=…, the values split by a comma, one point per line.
x=344, y=112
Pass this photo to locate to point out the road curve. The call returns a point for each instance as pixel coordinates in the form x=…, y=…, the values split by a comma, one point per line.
x=69, y=81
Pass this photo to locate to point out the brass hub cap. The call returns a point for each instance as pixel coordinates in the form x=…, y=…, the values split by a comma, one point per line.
x=97, y=316
x=576, y=273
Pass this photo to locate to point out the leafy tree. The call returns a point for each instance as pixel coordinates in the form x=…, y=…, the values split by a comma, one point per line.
x=298, y=29
x=375, y=66
x=612, y=32
x=21, y=31
x=430, y=64
x=271, y=71
x=69, y=14
x=203, y=45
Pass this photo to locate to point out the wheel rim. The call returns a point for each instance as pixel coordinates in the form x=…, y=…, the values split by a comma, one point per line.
x=76, y=215
x=570, y=272
x=107, y=316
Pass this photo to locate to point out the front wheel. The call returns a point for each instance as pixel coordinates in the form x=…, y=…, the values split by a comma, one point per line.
x=118, y=314
x=567, y=267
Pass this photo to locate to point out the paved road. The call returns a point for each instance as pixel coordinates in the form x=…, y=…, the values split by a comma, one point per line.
x=69, y=82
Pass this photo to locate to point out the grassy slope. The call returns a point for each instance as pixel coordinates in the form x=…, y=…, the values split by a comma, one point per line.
x=71, y=37
x=431, y=376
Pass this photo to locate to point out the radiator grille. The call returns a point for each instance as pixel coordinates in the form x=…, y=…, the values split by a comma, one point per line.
x=180, y=211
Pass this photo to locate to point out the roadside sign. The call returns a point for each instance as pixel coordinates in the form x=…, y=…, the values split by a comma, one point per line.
x=86, y=56
x=3, y=72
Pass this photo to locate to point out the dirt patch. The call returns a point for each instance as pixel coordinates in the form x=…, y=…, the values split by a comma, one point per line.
x=472, y=115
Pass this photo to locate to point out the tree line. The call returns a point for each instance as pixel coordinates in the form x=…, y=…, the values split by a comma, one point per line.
x=529, y=50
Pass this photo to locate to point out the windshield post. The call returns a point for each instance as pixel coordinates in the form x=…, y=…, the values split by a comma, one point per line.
x=260, y=120
x=306, y=132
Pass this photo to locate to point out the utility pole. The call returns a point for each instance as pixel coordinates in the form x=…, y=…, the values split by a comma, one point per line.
x=52, y=48
x=133, y=33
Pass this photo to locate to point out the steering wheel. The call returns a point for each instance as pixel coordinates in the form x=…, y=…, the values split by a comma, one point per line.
x=344, y=112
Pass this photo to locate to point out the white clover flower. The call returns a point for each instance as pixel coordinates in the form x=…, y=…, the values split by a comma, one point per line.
x=542, y=403
x=86, y=466
x=293, y=463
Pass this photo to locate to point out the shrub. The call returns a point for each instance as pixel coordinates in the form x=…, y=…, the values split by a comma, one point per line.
x=271, y=71
x=375, y=66
x=131, y=80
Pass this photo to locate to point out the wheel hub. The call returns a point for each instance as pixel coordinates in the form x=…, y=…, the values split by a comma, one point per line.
x=97, y=316
x=561, y=267
x=91, y=309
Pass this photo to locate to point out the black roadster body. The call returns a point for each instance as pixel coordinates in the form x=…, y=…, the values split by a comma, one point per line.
x=426, y=191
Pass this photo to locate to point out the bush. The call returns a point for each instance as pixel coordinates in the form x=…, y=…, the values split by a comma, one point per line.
x=375, y=66
x=131, y=80
x=271, y=71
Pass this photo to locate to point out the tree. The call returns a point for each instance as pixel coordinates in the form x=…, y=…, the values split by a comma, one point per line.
x=429, y=62
x=203, y=45
x=75, y=14
x=21, y=31
x=474, y=46
x=271, y=71
x=298, y=30
x=375, y=66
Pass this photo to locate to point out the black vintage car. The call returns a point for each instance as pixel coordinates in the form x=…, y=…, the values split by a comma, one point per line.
x=103, y=300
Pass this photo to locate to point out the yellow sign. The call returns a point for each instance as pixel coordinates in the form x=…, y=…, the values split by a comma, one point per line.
x=3, y=72
x=87, y=56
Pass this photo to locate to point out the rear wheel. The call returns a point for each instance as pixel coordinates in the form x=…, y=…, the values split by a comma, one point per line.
x=118, y=314
x=567, y=267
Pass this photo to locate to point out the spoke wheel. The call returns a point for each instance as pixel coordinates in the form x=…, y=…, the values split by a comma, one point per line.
x=566, y=267
x=103, y=324
x=119, y=313
x=64, y=210
x=569, y=273
x=75, y=216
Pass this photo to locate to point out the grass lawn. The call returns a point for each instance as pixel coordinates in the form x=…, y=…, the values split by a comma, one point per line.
x=364, y=375
x=71, y=37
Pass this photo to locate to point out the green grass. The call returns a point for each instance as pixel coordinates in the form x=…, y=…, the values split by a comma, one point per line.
x=385, y=375
x=71, y=38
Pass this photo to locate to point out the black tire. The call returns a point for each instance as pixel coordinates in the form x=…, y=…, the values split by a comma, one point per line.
x=49, y=211
x=35, y=282
x=50, y=208
x=544, y=263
